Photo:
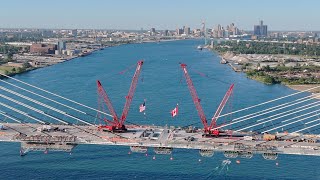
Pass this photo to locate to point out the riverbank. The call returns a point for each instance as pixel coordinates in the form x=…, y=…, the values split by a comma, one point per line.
x=315, y=92
x=11, y=71
x=290, y=76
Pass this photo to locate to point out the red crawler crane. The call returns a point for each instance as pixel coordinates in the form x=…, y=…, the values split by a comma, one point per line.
x=209, y=129
x=117, y=124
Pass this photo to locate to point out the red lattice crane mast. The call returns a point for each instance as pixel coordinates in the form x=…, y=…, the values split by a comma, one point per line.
x=117, y=124
x=212, y=128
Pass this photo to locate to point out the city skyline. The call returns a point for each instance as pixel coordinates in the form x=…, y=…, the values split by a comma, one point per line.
x=161, y=15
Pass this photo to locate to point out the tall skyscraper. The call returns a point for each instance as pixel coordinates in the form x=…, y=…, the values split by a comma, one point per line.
x=74, y=32
x=61, y=46
x=153, y=31
x=166, y=32
x=179, y=31
x=187, y=30
x=260, y=30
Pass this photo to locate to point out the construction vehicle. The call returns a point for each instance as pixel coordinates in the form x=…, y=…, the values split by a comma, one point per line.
x=209, y=129
x=117, y=124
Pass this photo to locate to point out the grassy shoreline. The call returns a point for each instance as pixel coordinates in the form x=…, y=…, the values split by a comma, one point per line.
x=263, y=77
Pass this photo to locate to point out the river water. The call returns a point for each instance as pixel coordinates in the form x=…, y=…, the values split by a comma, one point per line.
x=162, y=85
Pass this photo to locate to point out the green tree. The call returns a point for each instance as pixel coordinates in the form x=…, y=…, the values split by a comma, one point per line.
x=19, y=70
x=267, y=68
x=26, y=65
x=269, y=80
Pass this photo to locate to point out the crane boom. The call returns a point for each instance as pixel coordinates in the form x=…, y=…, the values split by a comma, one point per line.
x=131, y=93
x=195, y=97
x=220, y=108
x=103, y=94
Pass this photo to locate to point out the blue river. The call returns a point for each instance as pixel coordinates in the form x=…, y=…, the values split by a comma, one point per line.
x=163, y=86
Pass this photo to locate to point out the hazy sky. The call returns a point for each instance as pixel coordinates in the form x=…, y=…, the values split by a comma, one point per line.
x=161, y=14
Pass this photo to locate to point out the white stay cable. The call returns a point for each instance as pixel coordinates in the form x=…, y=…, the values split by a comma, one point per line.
x=281, y=116
x=33, y=109
x=44, y=105
x=22, y=113
x=267, y=112
x=291, y=122
x=44, y=97
x=308, y=127
x=250, y=107
x=5, y=115
x=75, y=102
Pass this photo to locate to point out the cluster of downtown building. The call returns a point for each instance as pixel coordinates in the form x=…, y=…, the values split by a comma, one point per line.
x=230, y=31
x=64, y=44
x=259, y=31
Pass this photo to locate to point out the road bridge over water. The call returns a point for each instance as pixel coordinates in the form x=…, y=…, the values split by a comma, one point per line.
x=36, y=133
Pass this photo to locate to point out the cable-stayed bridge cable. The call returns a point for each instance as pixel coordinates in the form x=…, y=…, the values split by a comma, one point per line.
x=285, y=121
x=280, y=105
x=67, y=99
x=22, y=113
x=45, y=105
x=265, y=112
x=33, y=109
x=267, y=102
x=284, y=125
x=281, y=116
x=5, y=115
x=275, y=115
x=307, y=127
x=44, y=97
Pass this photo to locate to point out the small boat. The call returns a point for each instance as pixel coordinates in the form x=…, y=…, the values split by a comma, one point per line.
x=85, y=54
x=139, y=149
x=200, y=47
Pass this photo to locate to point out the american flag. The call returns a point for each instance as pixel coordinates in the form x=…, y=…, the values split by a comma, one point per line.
x=142, y=107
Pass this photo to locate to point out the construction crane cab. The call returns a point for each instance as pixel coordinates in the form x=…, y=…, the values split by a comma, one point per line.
x=112, y=128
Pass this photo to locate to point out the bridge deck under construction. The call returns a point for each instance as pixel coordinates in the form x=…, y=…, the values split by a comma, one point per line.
x=162, y=139
x=244, y=140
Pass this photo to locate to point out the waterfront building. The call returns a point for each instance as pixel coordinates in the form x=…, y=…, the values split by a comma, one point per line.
x=187, y=30
x=233, y=30
x=74, y=32
x=179, y=31
x=47, y=33
x=43, y=49
x=166, y=33
x=219, y=32
x=260, y=30
x=153, y=31
x=62, y=46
